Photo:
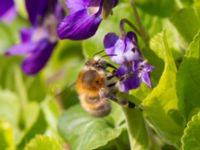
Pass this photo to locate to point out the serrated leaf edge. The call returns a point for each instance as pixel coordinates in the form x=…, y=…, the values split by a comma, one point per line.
x=195, y=118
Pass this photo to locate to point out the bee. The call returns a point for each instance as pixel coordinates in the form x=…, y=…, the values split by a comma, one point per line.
x=96, y=85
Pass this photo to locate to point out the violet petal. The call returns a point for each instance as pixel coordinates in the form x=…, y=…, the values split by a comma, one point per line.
x=26, y=34
x=145, y=74
x=131, y=82
x=36, y=9
x=79, y=26
x=7, y=10
x=109, y=42
x=122, y=70
x=77, y=5
x=132, y=36
x=146, y=79
x=37, y=60
x=114, y=45
x=59, y=12
x=21, y=49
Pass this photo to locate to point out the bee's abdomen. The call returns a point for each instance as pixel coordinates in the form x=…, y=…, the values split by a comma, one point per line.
x=96, y=106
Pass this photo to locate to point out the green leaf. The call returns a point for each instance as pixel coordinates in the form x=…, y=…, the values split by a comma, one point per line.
x=63, y=68
x=7, y=72
x=161, y=8
x=197, y=7
x=41, y=142
x=163, y=99
x=188, y=79
x=32, y=84
x=175, y=44
x=36, y=124
x=31, y=112
x=84, y=132
x=21, y=9
x=191, y=138
x=158, y=47
x=10, y=33
x=6, y=136
x=187, y=3
x=13, y=79
x=9, y=107
x=52, y=112
x=186, y=22
x=4, y=42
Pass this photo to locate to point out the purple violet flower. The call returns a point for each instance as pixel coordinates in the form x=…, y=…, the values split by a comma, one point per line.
x=84, y=18
x=133, y=68
x=7, y=10
x=38, y=42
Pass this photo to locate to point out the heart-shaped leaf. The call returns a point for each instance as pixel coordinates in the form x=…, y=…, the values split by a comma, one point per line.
x=84, y=132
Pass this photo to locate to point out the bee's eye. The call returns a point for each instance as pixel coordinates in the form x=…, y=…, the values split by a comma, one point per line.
x=97, y=65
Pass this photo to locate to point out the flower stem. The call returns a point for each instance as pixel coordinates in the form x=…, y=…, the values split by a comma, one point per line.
x=137, y=132
x=124, y=20
x=22, y=93
x=136, y=127
x=138, y=21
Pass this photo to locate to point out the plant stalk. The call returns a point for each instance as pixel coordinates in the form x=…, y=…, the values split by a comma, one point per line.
x=138, y=135
x=144, y=34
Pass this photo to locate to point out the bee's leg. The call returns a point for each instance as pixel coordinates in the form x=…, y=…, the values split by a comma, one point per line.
x=110, y=65
x=122, y=102
x=112, y=85
x=111, y=81
x=111, y=96
x=110, y=77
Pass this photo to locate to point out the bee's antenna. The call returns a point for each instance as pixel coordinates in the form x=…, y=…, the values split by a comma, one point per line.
x=107, y=55
x=99, y=52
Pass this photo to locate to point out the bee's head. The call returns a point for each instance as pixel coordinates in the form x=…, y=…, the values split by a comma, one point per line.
x=96, y=63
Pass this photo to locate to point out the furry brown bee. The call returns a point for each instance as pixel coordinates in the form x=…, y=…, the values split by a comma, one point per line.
x=94, y=88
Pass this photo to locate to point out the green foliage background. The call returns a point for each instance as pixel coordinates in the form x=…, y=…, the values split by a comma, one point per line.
x=43, y=112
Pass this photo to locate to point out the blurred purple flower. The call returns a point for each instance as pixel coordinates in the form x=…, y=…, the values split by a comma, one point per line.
x=7, y=10
x=84, y=18
x=125, y=52
x=39, y=41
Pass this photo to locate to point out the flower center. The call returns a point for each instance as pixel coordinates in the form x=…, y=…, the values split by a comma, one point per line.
x=39, y=34
x=93, y=10
x=50, y=24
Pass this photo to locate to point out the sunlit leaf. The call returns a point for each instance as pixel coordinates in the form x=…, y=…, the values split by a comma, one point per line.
x=9, y=107
x=187, y=23
x=41, y=142
x=197, y=7
x=6, y=136
x=188, y=79
x=187, y=3
x=21, y=9
x=162, y=101
x=52, y=112
x=191, y=138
